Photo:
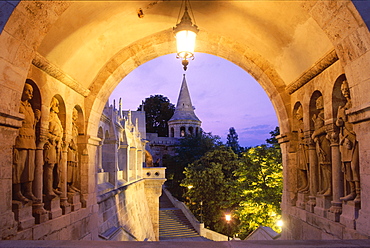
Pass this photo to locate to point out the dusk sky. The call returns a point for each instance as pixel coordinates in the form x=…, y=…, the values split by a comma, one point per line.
x=223, y=94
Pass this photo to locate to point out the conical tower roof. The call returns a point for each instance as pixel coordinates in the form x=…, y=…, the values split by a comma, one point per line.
x=184, y=108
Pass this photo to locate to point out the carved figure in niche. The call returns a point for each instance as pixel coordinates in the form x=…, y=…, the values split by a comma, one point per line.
x=53, y=153
x=322, y=148
x=302, y=154
x=23, y=169
x=348, y=148
x=148, y=159
x=72, y=157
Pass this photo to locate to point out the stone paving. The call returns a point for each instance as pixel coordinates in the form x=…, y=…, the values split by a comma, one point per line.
x=181, y=244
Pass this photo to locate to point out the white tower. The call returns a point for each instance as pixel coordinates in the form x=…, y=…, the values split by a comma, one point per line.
x=184, y=121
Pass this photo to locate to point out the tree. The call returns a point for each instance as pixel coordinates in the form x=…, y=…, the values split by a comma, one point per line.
x=232, y=141
x=273, y=141
x=260, y=178
x=158, y=111
x=190, y=149
x=214, y=184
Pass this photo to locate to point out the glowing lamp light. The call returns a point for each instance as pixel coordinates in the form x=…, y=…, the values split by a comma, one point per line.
x=185, y=34
x=279, y=223
x=228, y=217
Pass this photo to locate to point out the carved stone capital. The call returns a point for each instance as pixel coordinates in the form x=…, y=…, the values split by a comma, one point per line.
x=333, y=137
x=42, y=137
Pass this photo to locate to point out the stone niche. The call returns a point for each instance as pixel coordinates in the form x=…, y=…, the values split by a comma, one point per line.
x=325, y=161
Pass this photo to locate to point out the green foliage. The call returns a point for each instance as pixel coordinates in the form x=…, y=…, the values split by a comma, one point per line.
x=158, y=111
x=260, y=178
x=214, y=184
x=249, y=185
x=190, y=149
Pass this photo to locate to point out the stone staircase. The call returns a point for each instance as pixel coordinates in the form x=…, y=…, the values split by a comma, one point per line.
x=173, y=224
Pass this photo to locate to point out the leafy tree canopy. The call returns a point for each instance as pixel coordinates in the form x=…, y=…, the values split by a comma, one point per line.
x=213, y=183
x=158, y=111
x=190, y=149
x=248, y=185
x=260, y=179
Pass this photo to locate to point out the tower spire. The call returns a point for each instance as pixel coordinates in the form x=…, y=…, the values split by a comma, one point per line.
x=184, y=118
x=184, y=100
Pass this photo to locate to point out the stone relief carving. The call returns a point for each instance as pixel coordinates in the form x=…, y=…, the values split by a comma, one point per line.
x=72, y=156
x=348, y=146
x=53, y=153
x=322, y=149
x=302, y=154
x=24, y=150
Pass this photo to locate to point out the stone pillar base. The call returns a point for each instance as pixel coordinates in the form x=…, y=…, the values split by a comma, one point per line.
x=302, y=200
x=335, y=211
x=53, y=206
x=350, y=214
x=323, y=204
x=41, y=215
x=74, y=200
x=310, y=205
x=23, y=214
x=363, y=222
x=65, y=206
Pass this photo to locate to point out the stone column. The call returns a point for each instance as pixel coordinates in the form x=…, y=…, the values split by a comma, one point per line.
x=154, y=179
x=100, y=157
x=360, y=117
x=9, y=125
x=41, y=215
x=64, y=204
x=313, y=174
x=337, y=178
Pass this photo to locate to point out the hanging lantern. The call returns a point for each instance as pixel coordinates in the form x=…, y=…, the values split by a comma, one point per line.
x=185, y=34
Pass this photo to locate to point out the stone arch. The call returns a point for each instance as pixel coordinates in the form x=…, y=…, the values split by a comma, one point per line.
x=297, y=105
x=172, y=132
x=36, y=103
x=99, y=151
x=312, y=107
x=182, y=131
x=80, y=120
x=106, y=135
x=31, y=21
x=36, y=100
x=191, y=130
x=138, y=53
x=337, y=97
x=100, y=133
x=322, y=12
x=62, y=112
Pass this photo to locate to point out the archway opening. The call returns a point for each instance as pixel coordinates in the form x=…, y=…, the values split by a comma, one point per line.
x=223, y=94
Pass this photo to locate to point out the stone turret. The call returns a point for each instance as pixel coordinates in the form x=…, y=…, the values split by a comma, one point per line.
x=184, y=121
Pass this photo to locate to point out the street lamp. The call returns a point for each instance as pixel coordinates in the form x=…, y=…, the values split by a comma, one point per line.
x=185, y=33
x=228, y=220
x=201, y=211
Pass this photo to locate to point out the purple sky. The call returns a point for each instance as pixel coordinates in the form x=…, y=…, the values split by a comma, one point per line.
x=222, y=93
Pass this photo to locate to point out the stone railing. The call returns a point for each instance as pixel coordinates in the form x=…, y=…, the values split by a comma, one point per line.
x=154, y=172
x=199, y=227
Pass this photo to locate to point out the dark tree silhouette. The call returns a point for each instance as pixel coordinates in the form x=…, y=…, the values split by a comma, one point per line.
x=158, y=111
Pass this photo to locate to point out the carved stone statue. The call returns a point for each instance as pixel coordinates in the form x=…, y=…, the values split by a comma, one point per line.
x=53, y=153
x=72, y=156
x=348, y=148
x=24, y=150
x=148, y=159
x=322, y=148
x=302, y=154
